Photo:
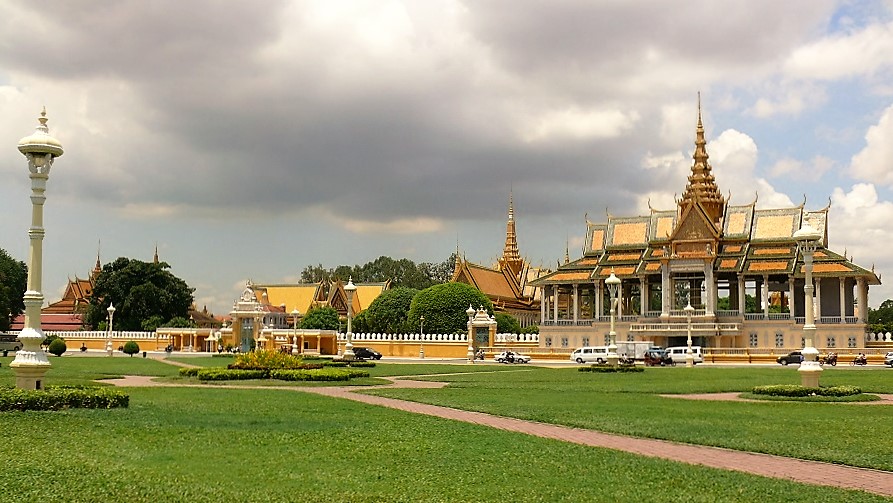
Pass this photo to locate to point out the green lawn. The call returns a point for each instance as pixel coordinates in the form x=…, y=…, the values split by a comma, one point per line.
x=222, y=444
x=630, y=404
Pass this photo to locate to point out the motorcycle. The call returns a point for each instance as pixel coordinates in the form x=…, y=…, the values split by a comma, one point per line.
x=860, y=360
x=831, y=359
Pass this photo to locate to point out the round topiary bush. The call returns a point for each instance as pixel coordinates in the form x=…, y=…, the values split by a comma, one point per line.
x=131, y=348
x=57, y=347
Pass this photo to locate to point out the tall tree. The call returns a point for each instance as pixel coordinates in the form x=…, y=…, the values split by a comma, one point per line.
x=444, y=306
x=13, y=283
x=402, y=272
x=387, y=313
x=321, y=318
x=139, y=290
x=881, y=319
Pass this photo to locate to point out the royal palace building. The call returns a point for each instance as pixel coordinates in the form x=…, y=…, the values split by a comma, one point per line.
x=738, y=266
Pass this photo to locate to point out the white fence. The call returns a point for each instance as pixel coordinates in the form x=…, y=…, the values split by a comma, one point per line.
x=879, y=337
x=463, y=337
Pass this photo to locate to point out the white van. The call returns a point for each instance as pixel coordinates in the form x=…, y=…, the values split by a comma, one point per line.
x=9, y=342
x=589, y=354
x=677, y=353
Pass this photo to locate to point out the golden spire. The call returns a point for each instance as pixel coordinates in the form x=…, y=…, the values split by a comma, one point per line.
x=155, y=257
x=701, y=184
x=98, y=267
x=510, y=256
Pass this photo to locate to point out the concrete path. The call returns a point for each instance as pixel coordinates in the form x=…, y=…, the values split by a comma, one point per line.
x=809, y=472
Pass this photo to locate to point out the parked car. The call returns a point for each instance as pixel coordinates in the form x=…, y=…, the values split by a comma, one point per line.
x=678, y=354
x=792, y=357
x=9, y=342
x=888, y=359
x=590, y=354
x=654, y=357
x=511, y=357
x=366, y=353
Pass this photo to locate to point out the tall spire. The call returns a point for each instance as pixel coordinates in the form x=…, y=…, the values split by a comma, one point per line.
x=511, y=258
x=98, y=267
x=701, y=184
x=155, y=257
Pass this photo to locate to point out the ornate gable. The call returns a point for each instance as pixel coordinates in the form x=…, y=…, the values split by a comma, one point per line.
x=695, y=234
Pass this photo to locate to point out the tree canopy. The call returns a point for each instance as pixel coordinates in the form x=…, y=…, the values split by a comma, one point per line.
x=321, y=318
x=13, y=283
x=402, y=272
x=140, y=291
x=881, y=319
x=387, y=313
x=507, y=324
x=444, y=306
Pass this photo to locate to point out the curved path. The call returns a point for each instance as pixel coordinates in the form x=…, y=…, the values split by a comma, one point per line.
x=809, y=472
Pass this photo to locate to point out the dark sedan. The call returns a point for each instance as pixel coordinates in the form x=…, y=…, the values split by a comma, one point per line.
x=366, y=353
x=792, y=357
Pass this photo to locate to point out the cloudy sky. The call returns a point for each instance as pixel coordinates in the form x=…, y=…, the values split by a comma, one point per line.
x=248, y=140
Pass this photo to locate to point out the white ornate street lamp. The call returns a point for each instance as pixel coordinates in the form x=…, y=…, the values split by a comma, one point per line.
x=349, y=288
x=470, y=313
x=108, y=340
x=294, y=347
x=421, y=336
x=31, y=363
x=689, y=355
x=808, y=240
x=613, y=284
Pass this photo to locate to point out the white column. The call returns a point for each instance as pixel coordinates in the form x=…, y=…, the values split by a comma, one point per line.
x=598, y=300
x=543, y=303
x=555, y=290
x=791, y=296
x=643, y=294
x=709, y=290
x=576, y=301
x=862, y=289
x=842, y=282
x=742, y=294
x=665, y=288
x=764, y=293
x=818, y=299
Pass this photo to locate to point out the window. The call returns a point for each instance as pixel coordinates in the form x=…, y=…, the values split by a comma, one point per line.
x=564, y=342
x=779, y=340
x=630, y=338
x=548, y=342
x=851, y=342
x=832, y=342
x=585, y=341
x=754, y=340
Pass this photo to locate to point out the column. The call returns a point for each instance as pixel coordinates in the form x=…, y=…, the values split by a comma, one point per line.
x=709, y=290
x=665, y=288
x=555, y=294
x=791, y=296
x=742, y=295
x=764, y=293
x=818, y=299
x=842, y=282
x=643, y=295
x=543, y=303
x=576, y=301
x=597, y=314
x=862, y=290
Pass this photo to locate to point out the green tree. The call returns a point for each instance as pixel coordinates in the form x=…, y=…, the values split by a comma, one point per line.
x=387, y=313
x=402, y=272
x=321, y=318
x=881, y=319
x=179, y=322
x=507, y=324
x=444, y=306
x=57, y=347
x=13, y=283
x=139, y=290
x=131, y=348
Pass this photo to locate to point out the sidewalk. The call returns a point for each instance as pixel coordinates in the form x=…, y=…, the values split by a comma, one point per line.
x=808, y=472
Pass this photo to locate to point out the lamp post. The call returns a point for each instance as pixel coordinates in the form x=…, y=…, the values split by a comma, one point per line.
x=613, y=283
x=31, y=363
x=108, y=340
x=689, y=355
x=808, y=240
x=470, y=313
x=294, y=347
x=421, y=336
x=349, y=289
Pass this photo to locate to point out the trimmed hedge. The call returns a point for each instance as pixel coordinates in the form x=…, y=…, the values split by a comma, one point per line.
x=610, y=369
x=189, y=371
x=795, y=390
x=311, y=375
x=218, y=374
x=349, y=363
x=62, y=397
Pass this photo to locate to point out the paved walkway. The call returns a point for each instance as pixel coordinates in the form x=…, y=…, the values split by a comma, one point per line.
x=809, y=472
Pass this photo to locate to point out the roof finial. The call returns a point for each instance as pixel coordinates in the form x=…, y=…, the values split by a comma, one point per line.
x=155, y=257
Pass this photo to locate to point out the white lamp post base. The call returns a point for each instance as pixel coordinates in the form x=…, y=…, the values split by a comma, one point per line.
x=809, y=374
x=31, y=363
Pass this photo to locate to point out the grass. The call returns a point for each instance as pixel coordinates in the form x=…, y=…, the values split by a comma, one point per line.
x=630, y=404
x=223, y=444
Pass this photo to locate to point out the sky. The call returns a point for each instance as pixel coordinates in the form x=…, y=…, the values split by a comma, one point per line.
x=249, y=140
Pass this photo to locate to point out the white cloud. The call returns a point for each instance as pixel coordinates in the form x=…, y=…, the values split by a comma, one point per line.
x=398, y=226
x=788, y=98
x=812, y=170
x=874, y=163
x=576, y=124
x=837, y=56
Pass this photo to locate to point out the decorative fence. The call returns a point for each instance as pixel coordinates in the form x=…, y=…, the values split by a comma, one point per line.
x=462, y=337
x=879, y=337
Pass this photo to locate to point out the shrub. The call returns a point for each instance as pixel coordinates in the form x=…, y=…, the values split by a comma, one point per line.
x=218, y=374
x=189, y=371
x=57, y=347
x=266, y=359
x=795, y=390
x=62, y=397
x=131, y=348
x=329, y=374
x=608, y=369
